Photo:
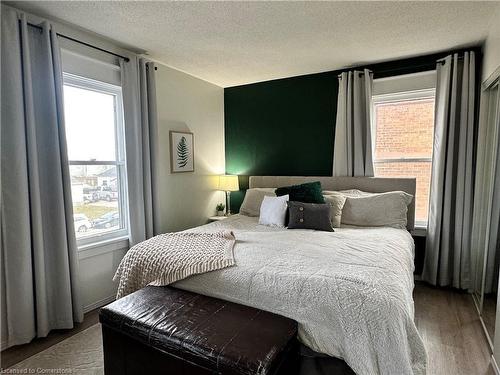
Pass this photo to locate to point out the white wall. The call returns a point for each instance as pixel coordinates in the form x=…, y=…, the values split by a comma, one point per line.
x=97, y=268
x=186, y=199
x=491, y=59
x=189, y=104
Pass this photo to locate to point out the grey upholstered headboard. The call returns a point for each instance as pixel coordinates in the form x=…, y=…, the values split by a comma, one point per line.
x=369, y=184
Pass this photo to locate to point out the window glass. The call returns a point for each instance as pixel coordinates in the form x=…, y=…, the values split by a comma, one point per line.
x=404, y=131
x=94, y=131
x=90, y=124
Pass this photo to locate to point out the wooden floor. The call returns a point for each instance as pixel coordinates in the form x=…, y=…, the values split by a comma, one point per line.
x=452, y=333
x=446, y=319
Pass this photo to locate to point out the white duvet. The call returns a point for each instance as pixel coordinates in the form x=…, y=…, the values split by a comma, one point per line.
x=350, y=290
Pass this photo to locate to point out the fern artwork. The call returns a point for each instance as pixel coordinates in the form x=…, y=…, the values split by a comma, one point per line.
x=181, y=152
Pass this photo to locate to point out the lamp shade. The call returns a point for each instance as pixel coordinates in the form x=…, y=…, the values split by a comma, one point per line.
x=229, y=183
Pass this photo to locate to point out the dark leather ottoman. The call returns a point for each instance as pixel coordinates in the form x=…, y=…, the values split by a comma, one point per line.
x=163, y=330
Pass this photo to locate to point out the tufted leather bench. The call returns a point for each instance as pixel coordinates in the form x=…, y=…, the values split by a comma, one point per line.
x=164, y=330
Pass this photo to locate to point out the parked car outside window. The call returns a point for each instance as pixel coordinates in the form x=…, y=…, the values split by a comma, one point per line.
x=82, y=223
x=111, y=219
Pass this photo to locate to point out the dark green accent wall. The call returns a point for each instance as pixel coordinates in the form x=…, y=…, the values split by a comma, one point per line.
x=282, y=127
x=286, y=126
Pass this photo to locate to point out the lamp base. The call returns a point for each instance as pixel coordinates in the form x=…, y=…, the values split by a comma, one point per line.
x=228, y=203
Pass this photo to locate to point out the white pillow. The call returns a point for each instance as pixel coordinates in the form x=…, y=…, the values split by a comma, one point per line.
x=377, y=209
x=336, y=201
x=253, y=200
x=273, y=211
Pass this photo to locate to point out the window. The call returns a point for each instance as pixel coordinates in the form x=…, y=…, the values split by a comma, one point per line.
x=94, y=132
x=404, y=131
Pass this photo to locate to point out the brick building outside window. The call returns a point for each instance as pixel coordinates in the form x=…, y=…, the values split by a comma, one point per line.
x=403, y=139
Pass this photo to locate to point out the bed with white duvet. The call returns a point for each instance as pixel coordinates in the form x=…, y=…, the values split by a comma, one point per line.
x=350, y=290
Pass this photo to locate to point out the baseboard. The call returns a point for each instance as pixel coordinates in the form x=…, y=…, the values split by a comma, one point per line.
x=3, y=345
x=99, y=303
x=495, y=365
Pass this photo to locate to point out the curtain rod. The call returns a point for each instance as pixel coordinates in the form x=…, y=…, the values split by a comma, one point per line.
x=361, y=72
x=442, y=61
x=84, y=43
x=439, y=61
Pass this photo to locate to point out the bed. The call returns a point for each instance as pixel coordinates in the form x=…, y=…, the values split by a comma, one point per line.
x=349, y=290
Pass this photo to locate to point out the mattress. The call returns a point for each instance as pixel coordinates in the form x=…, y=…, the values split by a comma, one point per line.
x=350, y=290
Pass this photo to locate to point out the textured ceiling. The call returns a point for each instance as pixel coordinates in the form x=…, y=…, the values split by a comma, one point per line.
x=233, y=43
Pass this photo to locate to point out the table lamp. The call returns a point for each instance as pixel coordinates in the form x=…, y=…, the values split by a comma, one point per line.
x=228, y=183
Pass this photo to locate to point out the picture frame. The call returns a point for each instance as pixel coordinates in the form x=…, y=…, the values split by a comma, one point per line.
x=181, y=152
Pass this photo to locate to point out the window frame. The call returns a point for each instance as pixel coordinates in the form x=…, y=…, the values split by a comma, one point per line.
x=397, y=97
x=120, y=155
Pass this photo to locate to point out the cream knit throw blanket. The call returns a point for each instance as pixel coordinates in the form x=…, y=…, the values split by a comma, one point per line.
x=171, y=257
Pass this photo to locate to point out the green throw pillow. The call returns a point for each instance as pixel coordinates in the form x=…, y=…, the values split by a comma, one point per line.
x=309, y=192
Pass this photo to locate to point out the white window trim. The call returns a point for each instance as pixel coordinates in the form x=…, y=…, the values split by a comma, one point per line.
x=405, y=82
x=107, y=88
x=103, y=247
x=424, y=94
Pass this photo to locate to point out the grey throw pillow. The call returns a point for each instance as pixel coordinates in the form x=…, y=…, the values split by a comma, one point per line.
x=336, y=201
x=253, y=200
x=309, y=216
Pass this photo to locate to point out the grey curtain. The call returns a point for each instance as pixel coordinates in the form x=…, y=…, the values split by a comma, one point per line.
x=38, y=245
x=448, y=254
x=352, y=153
x=141, y=142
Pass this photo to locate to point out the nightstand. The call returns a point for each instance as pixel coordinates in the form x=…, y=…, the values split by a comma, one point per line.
x=217, y=218
x=419, y=237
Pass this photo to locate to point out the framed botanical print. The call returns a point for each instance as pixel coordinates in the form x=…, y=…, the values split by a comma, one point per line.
x=181, y=152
